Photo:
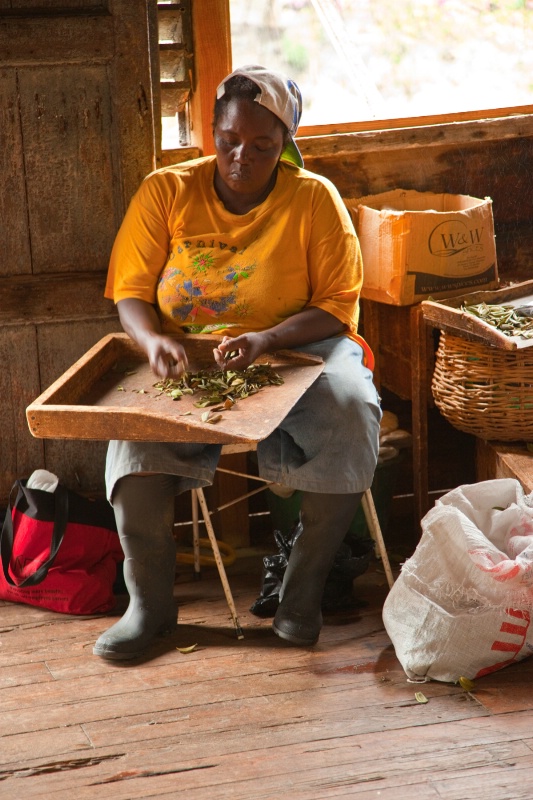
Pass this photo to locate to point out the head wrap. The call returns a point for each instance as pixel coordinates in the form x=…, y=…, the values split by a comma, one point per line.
x=281, y=96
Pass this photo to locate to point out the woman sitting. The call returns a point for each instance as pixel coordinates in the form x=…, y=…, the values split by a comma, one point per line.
x=250, y=245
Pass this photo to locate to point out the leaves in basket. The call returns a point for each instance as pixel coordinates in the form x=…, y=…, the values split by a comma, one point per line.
x=508, y=319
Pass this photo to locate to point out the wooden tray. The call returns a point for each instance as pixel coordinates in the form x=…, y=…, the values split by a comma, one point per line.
x=447, y=315
x=109, y=394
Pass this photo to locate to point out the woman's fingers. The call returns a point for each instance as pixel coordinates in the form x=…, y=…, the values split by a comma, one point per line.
x=167, y=358
x=240, y=352
x=172, y=367
x=219, y=356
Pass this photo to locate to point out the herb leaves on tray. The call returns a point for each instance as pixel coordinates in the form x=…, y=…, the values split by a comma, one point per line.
x=220, y=386
x=510, y=320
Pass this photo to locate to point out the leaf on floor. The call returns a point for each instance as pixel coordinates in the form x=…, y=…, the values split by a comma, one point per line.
x=190, y=649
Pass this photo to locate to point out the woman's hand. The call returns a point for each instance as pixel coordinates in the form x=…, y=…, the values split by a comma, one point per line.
x=309, y=325
x=167, y=357
x=240, y=352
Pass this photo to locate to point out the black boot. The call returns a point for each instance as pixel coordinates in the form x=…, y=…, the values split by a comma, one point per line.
x=325, y=520
x=144, y=510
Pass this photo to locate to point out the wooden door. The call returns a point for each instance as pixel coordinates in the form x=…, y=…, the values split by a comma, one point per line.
x=79, y=129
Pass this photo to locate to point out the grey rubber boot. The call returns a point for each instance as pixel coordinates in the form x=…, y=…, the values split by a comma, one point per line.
x=325, y=520
x=144, y=511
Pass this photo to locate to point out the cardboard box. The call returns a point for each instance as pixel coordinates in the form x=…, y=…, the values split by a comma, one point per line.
x=417, y=245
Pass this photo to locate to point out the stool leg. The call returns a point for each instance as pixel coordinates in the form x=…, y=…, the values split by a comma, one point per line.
x=219, y=563
x=367, y=501
x=195, y=534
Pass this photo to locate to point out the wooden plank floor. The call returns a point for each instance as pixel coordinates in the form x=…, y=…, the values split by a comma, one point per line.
x=250, y=720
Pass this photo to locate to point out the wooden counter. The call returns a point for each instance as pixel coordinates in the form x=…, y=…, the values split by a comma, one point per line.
x=504, y=460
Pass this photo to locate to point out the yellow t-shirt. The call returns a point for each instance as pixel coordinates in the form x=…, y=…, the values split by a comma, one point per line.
x=209, y=270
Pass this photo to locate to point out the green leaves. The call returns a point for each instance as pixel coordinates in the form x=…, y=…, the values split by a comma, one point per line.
x=218, y=387
x=503, y=317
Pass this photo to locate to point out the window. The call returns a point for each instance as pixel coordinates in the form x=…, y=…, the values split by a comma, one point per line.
x=175, y=67
x=358, y=60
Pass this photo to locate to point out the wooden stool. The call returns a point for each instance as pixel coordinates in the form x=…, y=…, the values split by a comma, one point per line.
x=198, y=498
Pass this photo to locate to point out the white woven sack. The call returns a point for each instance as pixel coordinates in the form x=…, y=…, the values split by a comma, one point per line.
x=462, y=604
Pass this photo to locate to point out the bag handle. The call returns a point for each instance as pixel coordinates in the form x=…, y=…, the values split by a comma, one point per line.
x=7, y=536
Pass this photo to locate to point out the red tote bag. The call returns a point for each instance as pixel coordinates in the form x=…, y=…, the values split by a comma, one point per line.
x=59, y=551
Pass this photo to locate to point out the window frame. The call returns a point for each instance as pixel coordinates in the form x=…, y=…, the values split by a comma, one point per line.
x=213, y=61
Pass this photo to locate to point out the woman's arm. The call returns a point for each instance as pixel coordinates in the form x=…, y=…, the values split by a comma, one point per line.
x=309, y=325
x=141, y=322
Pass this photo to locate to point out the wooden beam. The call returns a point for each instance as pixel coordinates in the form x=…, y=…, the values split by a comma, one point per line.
x=413, y=122
x=212, y=62
x=419, y=401
x=447, y=134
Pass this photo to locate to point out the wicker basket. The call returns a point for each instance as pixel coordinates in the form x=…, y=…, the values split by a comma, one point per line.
x=483, y=390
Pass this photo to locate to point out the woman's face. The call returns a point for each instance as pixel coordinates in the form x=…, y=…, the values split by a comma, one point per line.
x=248, y=144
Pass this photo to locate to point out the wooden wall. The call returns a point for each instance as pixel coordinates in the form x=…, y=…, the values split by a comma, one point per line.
x=77, y=135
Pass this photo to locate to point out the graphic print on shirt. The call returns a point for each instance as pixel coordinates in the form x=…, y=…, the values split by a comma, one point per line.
x=198, y=283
